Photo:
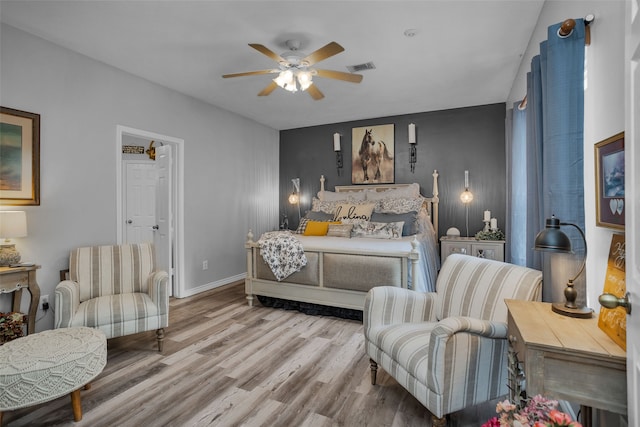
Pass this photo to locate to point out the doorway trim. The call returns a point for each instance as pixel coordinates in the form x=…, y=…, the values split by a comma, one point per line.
x=177, y=145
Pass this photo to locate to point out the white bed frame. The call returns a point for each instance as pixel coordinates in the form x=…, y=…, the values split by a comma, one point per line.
x=321, y=293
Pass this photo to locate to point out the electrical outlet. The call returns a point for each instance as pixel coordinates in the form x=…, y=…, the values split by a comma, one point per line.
x=205, y=265
x=44, y=302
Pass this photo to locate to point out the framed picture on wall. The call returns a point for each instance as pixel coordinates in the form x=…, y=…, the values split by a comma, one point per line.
x=372, y=151
x=20, y=154
x=609, y=161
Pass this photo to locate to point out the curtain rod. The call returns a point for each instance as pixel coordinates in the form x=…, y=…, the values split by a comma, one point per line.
x=569, y=24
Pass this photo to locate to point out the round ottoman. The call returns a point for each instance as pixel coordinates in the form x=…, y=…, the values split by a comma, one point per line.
x=41, y=367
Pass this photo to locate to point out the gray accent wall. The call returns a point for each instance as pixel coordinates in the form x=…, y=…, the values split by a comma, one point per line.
x=450, y=141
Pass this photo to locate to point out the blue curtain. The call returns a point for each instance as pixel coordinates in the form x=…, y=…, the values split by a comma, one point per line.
x=551, y=155
x=516, y=227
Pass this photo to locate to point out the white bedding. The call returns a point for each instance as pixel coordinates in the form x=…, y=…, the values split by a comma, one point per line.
x=429, y=260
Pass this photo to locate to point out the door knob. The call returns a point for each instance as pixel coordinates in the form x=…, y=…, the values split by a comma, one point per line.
x=129, y=221
x=155, y=227
x=612, y=301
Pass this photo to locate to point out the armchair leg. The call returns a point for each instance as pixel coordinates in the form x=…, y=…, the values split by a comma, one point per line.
x=160, y=335
x=438, y=422
x=374, y=371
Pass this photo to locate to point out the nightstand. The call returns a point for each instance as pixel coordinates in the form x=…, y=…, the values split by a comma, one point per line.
x=567, y=358
x=490, y=249
x=14, y=279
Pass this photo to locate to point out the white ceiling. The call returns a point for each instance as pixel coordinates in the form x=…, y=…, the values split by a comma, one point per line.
x=464, y=53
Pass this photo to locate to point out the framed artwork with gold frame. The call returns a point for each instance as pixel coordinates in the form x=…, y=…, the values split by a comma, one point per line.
x=20, y=154
x=609, y=161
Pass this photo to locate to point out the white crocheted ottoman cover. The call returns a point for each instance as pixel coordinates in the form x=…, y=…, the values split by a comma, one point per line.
x=41, y=367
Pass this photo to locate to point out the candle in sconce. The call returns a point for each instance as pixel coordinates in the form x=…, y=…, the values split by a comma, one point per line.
x=487, y=215
x=494, y=224
x=336, y=142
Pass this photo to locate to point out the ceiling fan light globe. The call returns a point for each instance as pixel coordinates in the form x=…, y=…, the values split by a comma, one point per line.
x=304, y=79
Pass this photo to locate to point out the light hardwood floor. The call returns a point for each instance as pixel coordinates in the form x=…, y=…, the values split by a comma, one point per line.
x=227, y=364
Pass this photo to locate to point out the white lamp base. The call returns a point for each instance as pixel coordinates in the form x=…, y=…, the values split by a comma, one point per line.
x=9, y=255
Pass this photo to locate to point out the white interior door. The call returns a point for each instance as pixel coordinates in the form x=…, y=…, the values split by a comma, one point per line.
x=140, y=201
x=632, y=198
x=163, y=233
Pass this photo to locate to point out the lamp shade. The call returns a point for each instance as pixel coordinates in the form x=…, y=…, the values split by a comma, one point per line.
x=13, y=224
x=552, y=239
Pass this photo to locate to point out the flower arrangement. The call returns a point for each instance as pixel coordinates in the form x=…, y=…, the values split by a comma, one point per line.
x=537, y=411
x=491, y=234
x=11, y=326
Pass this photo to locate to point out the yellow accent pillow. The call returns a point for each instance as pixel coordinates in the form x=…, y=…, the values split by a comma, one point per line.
x=318, y=228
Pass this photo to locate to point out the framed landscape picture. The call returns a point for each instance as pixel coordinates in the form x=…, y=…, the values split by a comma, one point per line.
x=609, y=161
x=20, y=157
x=372, y=151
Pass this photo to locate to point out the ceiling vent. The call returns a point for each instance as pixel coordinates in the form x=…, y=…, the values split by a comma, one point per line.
x=361, y=67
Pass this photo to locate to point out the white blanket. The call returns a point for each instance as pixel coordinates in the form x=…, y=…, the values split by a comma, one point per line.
x=282, y=252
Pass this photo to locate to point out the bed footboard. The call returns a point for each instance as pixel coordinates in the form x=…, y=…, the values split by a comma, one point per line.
x=336, y=278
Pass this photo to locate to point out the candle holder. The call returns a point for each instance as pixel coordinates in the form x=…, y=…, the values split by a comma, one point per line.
x=486, y=225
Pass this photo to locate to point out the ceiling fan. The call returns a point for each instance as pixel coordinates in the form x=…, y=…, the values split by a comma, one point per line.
x=295, y=69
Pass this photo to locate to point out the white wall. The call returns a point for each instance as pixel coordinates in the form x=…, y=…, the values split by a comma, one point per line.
x=231, y=163
x=603, y=110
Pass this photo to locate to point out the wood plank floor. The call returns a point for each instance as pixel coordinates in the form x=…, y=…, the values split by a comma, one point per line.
x=227, y=364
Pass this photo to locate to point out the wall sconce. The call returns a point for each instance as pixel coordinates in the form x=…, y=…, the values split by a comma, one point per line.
x=12, y=224
x=413, y=155
x=466, y=197
x=336, y=148
x=552, y=239
x=294, y=197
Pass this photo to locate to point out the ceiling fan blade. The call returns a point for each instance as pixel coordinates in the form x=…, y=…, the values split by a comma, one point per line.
x=324, y=52
x=266, y=51
x=251, y=73
x=339, y=75
x=267, y=90
x=315, y=92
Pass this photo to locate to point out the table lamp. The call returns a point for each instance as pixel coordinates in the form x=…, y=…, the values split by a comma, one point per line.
x=12, y=224
x=552, y=239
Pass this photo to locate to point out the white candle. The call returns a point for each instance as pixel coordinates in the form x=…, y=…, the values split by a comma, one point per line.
x=494, y=224
x=336, y=141
x=412, y=133
x=487, y=215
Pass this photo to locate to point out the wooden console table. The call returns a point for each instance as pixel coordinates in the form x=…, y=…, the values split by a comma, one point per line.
x=567, y=358
x=14, y=279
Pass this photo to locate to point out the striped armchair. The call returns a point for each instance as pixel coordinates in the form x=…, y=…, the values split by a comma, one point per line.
x=114, y=289
x=448, y=348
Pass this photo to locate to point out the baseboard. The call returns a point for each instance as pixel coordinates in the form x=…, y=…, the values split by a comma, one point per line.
x=213, y=285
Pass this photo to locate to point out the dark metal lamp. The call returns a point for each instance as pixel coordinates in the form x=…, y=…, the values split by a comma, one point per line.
x=552, y=239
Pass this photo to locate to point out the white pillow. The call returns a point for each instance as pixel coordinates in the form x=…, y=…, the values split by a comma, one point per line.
x=409, y=192
x=378, y=230
x=400, y=205
x=353, y=211
x=332, y=196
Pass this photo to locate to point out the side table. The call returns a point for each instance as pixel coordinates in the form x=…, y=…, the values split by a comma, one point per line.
x=567, y=358
x=490, y=249
x=14, y=279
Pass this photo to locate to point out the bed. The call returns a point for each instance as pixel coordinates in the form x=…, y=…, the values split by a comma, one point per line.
x=339, y=271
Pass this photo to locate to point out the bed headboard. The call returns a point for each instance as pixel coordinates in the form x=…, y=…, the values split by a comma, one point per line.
x=432, y=202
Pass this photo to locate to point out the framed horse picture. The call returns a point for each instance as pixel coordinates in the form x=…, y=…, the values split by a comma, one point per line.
x=372, y=151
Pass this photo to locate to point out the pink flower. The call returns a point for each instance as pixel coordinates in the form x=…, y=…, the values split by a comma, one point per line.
x=493, y=422
x=505, y=406
x=560, y=418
